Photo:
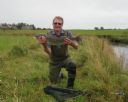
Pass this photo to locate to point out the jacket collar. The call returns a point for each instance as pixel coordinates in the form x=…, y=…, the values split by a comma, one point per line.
x=61, y=33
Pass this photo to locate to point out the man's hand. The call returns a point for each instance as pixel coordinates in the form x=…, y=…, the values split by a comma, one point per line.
x=68, y=41
x=42, y=40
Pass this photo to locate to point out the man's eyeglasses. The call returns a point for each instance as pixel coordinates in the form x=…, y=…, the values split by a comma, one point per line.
x=57, y=23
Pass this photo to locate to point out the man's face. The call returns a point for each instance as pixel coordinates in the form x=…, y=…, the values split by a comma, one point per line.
x=57, y=25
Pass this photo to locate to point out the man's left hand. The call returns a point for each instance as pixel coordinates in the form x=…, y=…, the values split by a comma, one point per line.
x=68, y=41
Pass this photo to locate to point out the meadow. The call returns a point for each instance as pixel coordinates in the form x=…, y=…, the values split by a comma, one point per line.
x=115, y=36
x=24, y=67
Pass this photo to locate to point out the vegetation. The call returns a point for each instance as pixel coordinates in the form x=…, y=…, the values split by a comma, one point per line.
x=5, y=26
x=24, y=69
x=115, y=36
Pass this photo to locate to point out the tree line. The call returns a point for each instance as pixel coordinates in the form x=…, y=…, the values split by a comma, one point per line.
x=17, y=26
x=102, y=28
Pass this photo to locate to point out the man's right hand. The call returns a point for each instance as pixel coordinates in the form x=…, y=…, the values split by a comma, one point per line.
x=42, y=40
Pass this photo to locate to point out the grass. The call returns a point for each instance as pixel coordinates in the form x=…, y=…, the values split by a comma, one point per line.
x=77, y=32
x=24, y=70
x=115, y=36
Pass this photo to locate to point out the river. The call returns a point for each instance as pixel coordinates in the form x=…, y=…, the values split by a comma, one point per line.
x=122, y=51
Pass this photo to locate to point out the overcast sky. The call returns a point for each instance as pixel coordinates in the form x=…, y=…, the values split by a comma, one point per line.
x=77, y=14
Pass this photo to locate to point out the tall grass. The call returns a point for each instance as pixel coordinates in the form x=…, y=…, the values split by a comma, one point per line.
x=101, y=71
x=24, y=71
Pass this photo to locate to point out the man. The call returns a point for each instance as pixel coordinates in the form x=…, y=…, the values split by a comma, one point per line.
x=59, y=57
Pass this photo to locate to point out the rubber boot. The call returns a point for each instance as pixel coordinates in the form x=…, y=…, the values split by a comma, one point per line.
x=70, y=83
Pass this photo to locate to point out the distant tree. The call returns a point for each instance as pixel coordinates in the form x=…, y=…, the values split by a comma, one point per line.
x=17, y=26
x=33, y=27
x=38, y=28
x=96, y=28
x=4, y=24
x=20, y=25
x=101, y=28
x=44, y=28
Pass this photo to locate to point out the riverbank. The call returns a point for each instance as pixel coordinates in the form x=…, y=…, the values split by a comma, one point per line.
x=119, y=39
x=114, y=36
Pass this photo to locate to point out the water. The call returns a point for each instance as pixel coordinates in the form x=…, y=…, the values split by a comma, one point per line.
x=122, y=51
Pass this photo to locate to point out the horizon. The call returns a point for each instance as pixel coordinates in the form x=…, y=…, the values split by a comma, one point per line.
x=99, y=28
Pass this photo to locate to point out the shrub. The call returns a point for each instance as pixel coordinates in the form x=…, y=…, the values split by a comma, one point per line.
x=18, y=51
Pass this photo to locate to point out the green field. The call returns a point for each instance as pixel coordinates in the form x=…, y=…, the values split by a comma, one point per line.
x=78, y=32
x=24, y=67
x=116, y=36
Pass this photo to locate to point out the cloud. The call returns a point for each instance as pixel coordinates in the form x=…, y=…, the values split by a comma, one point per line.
x=76, y=13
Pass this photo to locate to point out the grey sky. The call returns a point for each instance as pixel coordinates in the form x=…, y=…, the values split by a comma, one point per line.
x=80, y=14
